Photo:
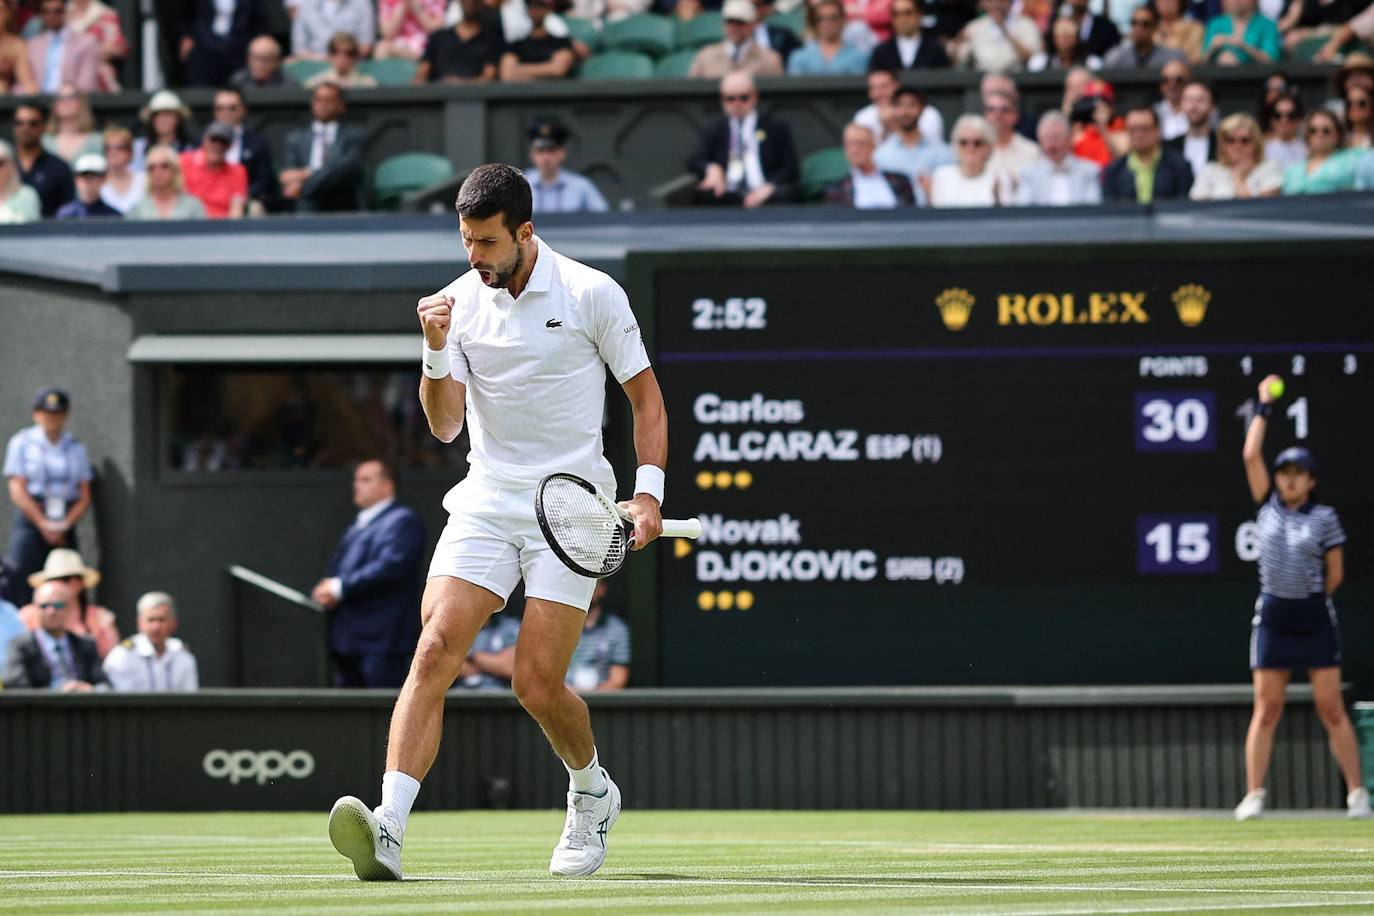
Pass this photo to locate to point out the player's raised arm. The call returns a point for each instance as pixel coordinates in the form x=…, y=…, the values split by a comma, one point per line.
x=1256, y=474
x=651, y=450
x=442, y=386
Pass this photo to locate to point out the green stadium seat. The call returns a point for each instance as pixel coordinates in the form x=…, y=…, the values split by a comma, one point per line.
x=821, y=169
x=1307, y=49
x=675, y=65
x=302, y=70
x=583, y=30
x=646, y=33
x=617, y=65
x=398, y=175
x=703, y=29
x=794, y=22
x=390, y=71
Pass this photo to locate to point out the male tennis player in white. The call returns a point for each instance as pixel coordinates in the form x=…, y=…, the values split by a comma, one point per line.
x=518, y=347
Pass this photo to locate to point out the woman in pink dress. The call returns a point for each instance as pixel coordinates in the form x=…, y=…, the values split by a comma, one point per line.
x=404, y=26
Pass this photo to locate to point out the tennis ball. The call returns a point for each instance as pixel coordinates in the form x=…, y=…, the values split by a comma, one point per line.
x=1276, y=388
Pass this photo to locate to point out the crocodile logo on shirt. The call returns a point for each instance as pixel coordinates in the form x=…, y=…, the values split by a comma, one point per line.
x=553, y=323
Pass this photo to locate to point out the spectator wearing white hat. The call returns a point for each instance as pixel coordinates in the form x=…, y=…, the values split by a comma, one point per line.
x=740, y=51
x=49, y=480
x=90, y=179
x=153, y=661
x=87, y=618
x=168, y=123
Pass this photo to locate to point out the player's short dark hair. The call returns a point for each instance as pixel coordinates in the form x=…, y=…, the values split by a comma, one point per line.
x=496, y=188
x=909, y=92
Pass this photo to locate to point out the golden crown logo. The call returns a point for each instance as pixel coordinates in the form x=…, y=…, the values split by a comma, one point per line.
x=1191, y=302
x=955, y=304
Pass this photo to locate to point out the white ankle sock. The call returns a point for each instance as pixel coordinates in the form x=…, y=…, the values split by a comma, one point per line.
x=398, y=794
x=587, y=780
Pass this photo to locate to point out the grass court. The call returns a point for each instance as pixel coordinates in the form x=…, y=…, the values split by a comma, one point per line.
x=717, y=862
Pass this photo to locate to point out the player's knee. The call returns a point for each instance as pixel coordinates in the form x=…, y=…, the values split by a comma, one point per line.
x=536, y=691
x=1330, y=711
x=1268, y=712
x=435, y=658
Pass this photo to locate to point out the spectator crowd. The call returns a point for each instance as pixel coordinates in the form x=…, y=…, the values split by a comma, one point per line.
x=895, y=153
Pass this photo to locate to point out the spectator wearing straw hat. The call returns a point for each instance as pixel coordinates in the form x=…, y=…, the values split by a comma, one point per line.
x=168, y=123
x=87, y=618
x=49, y=479
x=90, y=179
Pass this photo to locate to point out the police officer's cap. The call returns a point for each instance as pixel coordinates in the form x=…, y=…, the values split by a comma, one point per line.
x=53, y=400
x=548, y=134
x=1299, y=457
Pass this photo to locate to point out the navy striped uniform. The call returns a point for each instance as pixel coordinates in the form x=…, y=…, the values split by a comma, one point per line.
x=1295, y=626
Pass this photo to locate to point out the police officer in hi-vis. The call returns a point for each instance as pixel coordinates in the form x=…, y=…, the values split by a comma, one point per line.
x=1301, y=564
x=49, y=477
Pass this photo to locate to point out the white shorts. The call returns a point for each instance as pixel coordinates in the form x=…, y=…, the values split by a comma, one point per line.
x=493, y=540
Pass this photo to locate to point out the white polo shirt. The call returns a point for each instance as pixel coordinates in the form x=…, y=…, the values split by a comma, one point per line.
x=535, y=369
x=134, y=666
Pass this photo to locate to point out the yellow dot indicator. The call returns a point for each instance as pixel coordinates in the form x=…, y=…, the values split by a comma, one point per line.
x=725, y=600
x=723, y=479
x=744, y=600
x=704, y=480
x=706, y=600
x=743, y=479
x=681, y=547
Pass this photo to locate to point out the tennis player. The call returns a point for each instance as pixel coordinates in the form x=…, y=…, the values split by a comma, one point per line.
x=1301, y=564
x=518, y=348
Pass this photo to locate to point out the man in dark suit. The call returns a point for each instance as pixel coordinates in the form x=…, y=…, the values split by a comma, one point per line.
x=745, y=158
x=908, y=48
x=1198, y=144
x=212, y=55
x=372, y=588
x=1149, y=172
x=50, y=658
x=324, y=162
x=867, y=187
x=249, y=149
x=767, y=35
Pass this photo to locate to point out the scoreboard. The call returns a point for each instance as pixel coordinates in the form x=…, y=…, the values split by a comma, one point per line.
x=993, y=467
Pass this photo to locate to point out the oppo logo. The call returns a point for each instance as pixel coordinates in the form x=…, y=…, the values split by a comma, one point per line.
x=259, y=766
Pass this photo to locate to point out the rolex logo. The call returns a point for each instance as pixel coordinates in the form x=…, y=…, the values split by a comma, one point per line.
x=954, y=305
x=1191, y=302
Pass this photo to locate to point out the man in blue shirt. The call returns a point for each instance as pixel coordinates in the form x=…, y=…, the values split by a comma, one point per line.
x=90, y=176
x=556, y=190
x=601, y=660
x=49, y=477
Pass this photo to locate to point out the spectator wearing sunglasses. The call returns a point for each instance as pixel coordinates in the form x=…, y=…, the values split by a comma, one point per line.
x=343, y=65
x=1359, y=117
x=745, y=158
x=1173, y=121
x=51, y=658
x=969, y=181
x=48, y=175
x=1149, y=172
x=248, y=148
x=1282, y=123
x=827, y=53
x=1140, y=49
x=86, y=617
x=1328, y=167
x=1241, y=170
x=124, y=184
x=318, y=22
x=165, y=198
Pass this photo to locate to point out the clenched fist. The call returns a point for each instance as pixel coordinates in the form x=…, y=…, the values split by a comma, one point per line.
x=435, y=313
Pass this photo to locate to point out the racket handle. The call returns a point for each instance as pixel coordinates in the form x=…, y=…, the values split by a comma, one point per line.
x=682, y=528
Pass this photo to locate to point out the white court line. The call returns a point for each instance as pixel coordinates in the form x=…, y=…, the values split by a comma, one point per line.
x=954, y=884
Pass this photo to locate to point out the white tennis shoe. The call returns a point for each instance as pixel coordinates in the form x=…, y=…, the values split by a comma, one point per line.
x=582, y=848
x=1357, y=804
x=1251, y=806
x=371, y=843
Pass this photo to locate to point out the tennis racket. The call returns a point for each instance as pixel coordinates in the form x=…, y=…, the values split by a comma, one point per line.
x=587, y=531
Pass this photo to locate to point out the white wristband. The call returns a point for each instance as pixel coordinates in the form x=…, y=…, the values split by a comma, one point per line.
x=435, y=362
x=649, y=479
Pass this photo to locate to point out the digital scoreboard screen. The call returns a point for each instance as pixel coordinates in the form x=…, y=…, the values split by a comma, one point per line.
x=1011, y=469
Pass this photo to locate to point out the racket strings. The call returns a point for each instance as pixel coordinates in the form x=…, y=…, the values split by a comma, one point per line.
x=591, y=535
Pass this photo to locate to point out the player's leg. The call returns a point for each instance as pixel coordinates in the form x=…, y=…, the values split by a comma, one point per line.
x=1340, y=736
x=548, y=637
x=453, y=610
x=1270, y=685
